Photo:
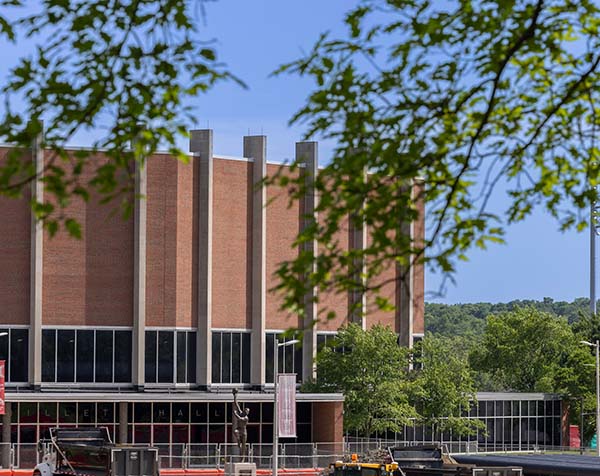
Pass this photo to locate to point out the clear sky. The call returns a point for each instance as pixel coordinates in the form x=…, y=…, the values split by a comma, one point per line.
x=253, y=38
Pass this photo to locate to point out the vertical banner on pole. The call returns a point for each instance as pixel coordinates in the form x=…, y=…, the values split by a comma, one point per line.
x=2, y=406
x=286, y=405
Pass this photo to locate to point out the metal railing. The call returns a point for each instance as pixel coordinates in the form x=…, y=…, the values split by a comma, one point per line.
x=291, y=455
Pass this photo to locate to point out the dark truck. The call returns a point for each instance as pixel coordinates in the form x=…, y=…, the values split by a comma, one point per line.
x=424, y=460
x=90, y=452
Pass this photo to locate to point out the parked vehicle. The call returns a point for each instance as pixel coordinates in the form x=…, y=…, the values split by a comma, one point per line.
x=90, y=452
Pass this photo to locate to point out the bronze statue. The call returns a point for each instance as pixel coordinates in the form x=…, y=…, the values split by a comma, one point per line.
x=240, y=421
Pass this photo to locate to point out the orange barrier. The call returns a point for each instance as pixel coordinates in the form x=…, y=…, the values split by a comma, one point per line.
x=21, y=472
x=220, y=472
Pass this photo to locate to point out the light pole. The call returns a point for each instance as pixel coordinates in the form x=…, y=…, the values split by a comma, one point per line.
x=275, y=409
x=597, y=346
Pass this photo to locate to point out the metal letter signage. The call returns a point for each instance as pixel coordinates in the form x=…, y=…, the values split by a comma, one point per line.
x=2, y=406
x=286, y=405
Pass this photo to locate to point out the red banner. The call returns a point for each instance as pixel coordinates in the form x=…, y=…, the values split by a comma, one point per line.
x=286, y=405
x=2, y=407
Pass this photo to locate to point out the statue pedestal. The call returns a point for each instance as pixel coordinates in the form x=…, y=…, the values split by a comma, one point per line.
x=240, y=469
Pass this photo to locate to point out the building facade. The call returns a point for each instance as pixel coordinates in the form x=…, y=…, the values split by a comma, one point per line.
x=146, y=324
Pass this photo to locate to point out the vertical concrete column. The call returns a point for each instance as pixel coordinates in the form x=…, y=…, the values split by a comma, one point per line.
x=404, y=294
x=123, y=422
x=357, y=298
x=6, y=420
x=201, y=145
x=308, y=154
x=255, y=148
x=139, y=276
x=36, y=268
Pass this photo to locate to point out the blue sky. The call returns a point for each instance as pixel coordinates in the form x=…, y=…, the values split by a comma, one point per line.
x=253, y=38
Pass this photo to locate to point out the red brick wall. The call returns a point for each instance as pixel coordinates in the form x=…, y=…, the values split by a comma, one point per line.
x=333, y=300
x=89, y=281
x=232, y=244
x=328, y=422
x=161, y=241
x=187, y=247
x=15, y=249
x=283, y=225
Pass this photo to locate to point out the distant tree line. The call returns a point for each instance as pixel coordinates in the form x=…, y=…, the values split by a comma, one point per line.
x=469, y=319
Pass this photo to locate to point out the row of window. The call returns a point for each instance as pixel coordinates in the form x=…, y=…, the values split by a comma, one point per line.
x=105, y=356
x=14, y=350
x=161, y=422
x=170, y=357
x=86, y=356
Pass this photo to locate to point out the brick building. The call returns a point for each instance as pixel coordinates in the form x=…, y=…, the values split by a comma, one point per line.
x=145, y=325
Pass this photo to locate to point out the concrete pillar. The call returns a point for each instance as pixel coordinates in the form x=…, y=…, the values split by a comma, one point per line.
x=36, y=268
x=201, y=145
x=357, y=298
x=404, y=295
x=123, y=422
x=139, y=276
x=6, y=420
x=308, y=154
x=255, y=147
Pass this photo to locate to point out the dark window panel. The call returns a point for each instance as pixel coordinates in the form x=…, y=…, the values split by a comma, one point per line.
x=47, y=412
x=297, y=362
x=540, y=408
x=123, y=356
x=28, y=434
x=28, y=412
x=180, y=434
x=150, y=356
x=216, y=412
x=65, y=356
x=216, y=357
x=270, y=351
x=246, y=357
x=226, y=358
x=181, y=357
x=162, y=413
x=165, y=356
x=19, y=355
x=161, y=433
x=216, y=433
x=304, y=412
x=106, y=412
x=557, y=409
x=48, y=355
x=198, y=434
x=199, y=413
x=191, y=357
x=141, y=434
x=85, y=356
x=236, y=374
x=86, y=412
x=181, y=412
x=67, y=412
x=142, y=412
x=104, y=356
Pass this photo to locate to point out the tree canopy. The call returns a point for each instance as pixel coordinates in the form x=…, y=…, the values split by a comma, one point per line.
x=383, y=393
x=127, y=69
x=471, y=99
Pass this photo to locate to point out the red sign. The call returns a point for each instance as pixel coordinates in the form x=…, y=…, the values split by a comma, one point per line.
x=574, y=437
x=286, y=405
x=2, y=407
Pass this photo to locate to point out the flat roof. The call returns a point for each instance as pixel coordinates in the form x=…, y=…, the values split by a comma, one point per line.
x=161, y=396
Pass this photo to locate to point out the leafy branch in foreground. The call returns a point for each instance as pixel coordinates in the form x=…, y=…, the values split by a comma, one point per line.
x=467, y=99
x=129, y=70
